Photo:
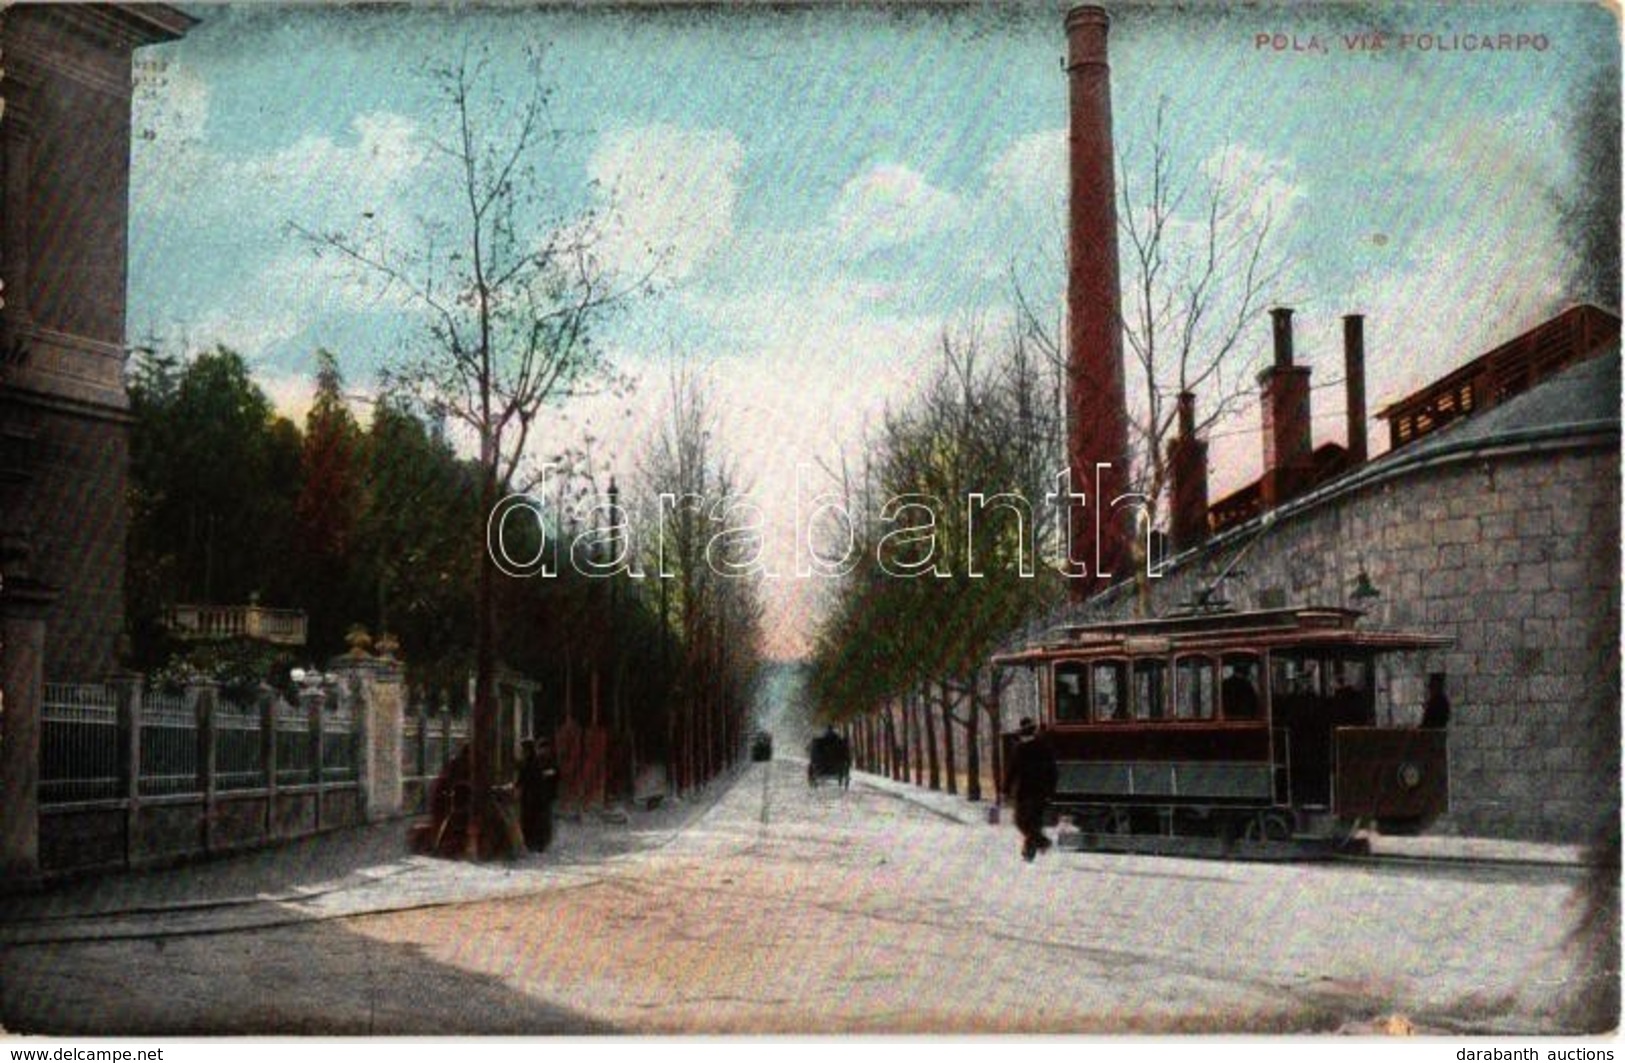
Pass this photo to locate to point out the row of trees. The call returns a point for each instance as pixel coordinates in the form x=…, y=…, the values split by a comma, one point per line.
x=962, y=481
x=958, y=528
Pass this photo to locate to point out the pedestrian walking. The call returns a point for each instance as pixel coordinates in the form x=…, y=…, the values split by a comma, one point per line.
x=538, y=783
x=1436, y=710
x=1030, y=781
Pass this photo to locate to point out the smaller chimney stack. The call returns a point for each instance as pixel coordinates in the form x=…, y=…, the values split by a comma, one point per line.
x=1282, y=319
x=1187, y=467
x=1354, y=380
x=1284, y=387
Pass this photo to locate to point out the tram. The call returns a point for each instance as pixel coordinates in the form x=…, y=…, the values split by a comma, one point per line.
x=1234, y=728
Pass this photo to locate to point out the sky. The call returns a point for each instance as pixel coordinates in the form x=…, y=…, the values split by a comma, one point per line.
x=830, y=187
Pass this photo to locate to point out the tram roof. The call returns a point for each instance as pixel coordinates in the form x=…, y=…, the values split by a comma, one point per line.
x=1304, y=626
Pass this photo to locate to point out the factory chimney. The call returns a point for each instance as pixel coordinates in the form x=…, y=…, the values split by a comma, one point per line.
x=1285, y=392
x=1187, y=468
x=1097, y=418
x=1354, y=381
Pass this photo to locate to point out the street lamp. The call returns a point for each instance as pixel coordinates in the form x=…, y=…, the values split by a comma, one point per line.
x=307, y=679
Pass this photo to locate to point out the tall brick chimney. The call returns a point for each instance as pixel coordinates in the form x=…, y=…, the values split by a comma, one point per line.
x=1354, y=381
x=1285, y=392
x=1097, y=417
x=1187, y=467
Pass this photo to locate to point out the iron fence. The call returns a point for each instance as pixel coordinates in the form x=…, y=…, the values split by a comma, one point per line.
x=239, y=747
x=88, y=741
x=428, y=740
x=295, y=757
x=169, y=746
x=338, y=743
x=81, y=749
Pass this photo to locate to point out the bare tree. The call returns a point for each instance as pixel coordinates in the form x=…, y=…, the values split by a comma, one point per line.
x=710, y=595
x=510, y=290
x=1201, y=262
x=1202, y=266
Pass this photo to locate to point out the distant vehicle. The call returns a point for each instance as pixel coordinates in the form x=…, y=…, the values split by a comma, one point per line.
x=1257, y=726
x=829, y=757
x=761, y=746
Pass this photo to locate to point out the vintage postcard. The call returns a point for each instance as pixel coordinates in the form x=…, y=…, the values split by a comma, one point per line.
x=757, y=519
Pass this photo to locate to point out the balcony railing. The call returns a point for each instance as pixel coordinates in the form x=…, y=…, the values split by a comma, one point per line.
x=284, y=627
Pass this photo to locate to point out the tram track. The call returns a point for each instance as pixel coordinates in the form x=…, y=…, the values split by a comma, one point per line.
x=1511, y=866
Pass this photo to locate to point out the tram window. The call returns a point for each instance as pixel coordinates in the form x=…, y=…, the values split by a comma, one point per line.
x=1352, y=704
x=1193, y=688
x=1349, y=673
x=1150, y=689
x=1292, y=675
x=1110, y=690
x=1070, y=706
x=1238, y=687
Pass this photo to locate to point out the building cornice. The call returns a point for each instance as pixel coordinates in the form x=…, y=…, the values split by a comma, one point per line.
x=89, y=43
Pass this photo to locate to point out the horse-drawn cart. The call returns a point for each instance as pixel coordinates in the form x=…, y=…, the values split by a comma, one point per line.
x=828, y=757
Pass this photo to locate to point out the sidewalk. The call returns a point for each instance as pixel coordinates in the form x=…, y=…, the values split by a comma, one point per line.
x=357, y=871
x=1423, y=847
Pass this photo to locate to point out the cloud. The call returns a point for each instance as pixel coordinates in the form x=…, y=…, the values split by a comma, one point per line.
x=1257, y=184
x=891, y=204
x=672, y=192
x=317, y=179
x=1031, y=173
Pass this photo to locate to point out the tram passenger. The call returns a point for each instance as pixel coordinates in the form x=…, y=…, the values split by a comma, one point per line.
x=1030, y=780
x=1240, y=698
x=1436, y=711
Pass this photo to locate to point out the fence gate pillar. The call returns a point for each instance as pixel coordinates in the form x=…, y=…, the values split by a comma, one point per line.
x=128, y=690
x=267, y=700
x=312, y=700
x=205, y=696
x=380, y=719
x=22, y=678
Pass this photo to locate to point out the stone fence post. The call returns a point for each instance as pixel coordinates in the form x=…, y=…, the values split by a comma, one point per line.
x=204, y=694
x=382, y=705
x=22, y=677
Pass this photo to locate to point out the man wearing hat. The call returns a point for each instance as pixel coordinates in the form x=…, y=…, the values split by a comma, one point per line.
x=1029, y=780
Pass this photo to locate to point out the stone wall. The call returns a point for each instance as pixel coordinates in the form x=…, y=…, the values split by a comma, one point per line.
x=1514, y=553
x=76, y=523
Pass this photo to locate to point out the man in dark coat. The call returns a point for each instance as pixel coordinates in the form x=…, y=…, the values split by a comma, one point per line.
x=1436, y=710
x=1030, y=780
x=538, y=788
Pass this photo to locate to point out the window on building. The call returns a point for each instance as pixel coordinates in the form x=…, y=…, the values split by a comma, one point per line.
x=1070, y=704
x=1194, y=696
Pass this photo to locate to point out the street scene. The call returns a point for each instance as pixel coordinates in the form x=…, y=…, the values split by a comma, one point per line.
x=753, y=519
x=769, y=906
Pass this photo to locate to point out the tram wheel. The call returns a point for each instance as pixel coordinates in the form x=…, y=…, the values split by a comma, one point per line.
x=1269, y=827
x=1105, y=821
